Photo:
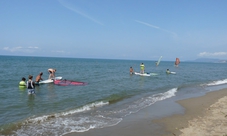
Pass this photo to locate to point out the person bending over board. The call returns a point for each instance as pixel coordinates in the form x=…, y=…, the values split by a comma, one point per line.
x=131, y=70
x=30, y=85
x=142, y=67
x=52, y=73
x=38, y=78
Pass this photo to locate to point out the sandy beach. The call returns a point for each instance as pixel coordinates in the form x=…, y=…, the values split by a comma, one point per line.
x=203, y=116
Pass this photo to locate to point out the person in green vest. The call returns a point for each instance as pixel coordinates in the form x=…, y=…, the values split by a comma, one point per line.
x=22, y=83
x=142, y=68
x=167, y=71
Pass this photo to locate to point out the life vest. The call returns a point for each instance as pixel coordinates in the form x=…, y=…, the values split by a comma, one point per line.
x=22, y=84
x=142, y=67
x=168, y=72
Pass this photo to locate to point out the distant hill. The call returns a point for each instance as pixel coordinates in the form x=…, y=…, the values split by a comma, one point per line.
x=209, y=60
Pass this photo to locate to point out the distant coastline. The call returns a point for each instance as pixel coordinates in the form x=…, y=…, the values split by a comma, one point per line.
x=210, y=60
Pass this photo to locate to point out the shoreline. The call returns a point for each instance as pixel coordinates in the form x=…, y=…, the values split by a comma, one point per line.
x=186, y=116
x=204, y=115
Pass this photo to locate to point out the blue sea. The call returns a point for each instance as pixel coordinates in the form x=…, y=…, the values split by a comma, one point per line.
x=110, y=95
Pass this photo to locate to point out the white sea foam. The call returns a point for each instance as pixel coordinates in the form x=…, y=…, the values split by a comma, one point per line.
x=61, y=123
x=146, y=101
x=219, y=82
x=61, y=126
x=86, y=108
x=78, y=110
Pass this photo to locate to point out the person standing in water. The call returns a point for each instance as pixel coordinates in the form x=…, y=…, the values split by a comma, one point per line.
x=38, y=78
x=30, y=85
x=167, y=71
x=142, y=68
x=22, y=83
x=131, y=70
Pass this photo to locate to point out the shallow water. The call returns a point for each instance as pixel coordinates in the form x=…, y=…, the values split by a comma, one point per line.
x=110, y=95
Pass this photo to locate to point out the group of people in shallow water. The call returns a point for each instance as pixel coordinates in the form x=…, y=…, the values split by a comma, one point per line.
x=142, y=68
x=30, y=84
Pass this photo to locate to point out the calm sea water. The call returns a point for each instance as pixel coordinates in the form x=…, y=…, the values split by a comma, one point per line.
x=110, y=95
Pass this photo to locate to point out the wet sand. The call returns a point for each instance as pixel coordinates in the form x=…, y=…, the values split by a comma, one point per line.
x=202, y=116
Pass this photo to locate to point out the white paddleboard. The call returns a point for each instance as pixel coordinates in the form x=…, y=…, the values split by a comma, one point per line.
x=145, y=74
x=171, y=73
x=153, y=74
x=50, y=80
x=57, y=78
x=46, y=81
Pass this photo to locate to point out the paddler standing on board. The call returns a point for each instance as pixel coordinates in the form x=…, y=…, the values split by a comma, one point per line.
x=52, y=73
x=142, y=67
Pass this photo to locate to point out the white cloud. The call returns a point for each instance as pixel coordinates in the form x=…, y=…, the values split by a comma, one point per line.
x=29, y=49
x=6, y=48
x=59, y=51
x=208, y=54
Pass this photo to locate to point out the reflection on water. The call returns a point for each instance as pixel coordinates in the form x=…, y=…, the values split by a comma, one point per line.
x=22, y=88
x=142, y=80
x=50, y=87
x=31, y=101
x=51, y=91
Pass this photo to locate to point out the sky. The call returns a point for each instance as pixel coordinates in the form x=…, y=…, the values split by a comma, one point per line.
x=114, y=29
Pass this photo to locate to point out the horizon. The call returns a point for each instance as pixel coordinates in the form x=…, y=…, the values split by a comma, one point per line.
x=195, y=60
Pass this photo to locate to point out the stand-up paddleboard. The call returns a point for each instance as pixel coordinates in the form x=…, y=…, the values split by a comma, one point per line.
x=50, y=80
x=57, y=78
x=145, y=74
x=46, y=81
x=153, y=74
x=68, y=82
x=171, y=73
